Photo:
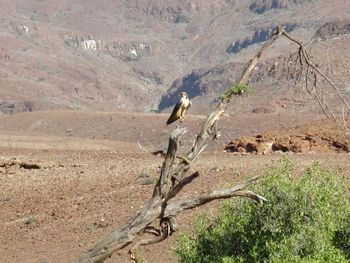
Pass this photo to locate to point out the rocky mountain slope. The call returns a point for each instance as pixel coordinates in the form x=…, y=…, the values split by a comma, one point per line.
x=131, y=55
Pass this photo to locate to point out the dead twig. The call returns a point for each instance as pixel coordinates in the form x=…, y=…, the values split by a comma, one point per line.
x=313, y=73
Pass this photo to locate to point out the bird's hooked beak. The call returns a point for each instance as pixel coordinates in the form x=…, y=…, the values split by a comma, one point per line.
x=183, y=95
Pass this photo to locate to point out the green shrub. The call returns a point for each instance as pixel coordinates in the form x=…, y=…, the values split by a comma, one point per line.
x=306, y=219
x=235, y=90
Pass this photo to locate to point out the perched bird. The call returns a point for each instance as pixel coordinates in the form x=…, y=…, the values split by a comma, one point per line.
x=180, y=109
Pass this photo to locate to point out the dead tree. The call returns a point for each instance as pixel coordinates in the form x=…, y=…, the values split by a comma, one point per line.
x=158, y=217
x=311, y=74
x=174, y=175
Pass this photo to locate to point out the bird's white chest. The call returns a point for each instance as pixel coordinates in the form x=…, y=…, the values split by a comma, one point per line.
x=185, y=102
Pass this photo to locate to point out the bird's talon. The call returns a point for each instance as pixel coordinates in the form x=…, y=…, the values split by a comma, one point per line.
x=185, y=159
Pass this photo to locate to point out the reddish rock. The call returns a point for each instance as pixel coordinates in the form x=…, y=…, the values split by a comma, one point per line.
x=319, y=137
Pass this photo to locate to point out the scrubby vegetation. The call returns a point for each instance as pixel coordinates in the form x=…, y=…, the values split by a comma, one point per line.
x=306, y=219
x=235, y=90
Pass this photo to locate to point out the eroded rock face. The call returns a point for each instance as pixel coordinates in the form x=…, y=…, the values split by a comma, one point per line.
x=203, y=82
x=258, y=36
x=261, y=6
x=84, y=43
x=171, y=14
x=309, y=140
x=131, y=50
x=210, y=83
x=23, y=29
x=333, y=29
x=10, y=107
x=174, y=37
x=257, y=144
x=124, y=50
x=91, y=44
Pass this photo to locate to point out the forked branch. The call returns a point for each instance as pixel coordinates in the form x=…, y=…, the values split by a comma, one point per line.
x=161, y=207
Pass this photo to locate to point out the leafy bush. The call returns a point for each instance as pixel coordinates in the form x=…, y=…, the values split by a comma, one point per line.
x=235, y=90
x=306, y=219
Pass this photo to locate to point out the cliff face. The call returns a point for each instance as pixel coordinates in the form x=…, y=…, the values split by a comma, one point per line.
x=262, y=6
x=139, y=55
x=333, y=29
x=202, y=83
x=257, y=36
x=276, y=83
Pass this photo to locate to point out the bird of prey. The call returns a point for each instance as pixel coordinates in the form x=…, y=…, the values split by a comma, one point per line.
x=180, y=109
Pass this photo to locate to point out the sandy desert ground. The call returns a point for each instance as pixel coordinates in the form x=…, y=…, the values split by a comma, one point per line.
x=61, y=191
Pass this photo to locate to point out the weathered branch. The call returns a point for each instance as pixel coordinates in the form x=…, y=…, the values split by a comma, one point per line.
x=312, y=71
x=125, y=234
x=305, y=56
x=178, y=187
x=190, y=202
x=164, y=182
x=252, y=63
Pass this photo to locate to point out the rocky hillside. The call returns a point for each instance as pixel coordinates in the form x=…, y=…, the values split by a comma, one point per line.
x=262, y=6
x=274, y=81
x=124, y=55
